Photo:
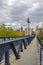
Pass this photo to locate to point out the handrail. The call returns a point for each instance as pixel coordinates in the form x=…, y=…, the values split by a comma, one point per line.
x=13, y=39
x=16, y=36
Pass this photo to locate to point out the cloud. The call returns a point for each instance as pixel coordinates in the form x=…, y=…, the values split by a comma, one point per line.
x=16, y=12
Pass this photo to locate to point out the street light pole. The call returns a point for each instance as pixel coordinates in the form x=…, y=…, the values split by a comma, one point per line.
x=28, y=24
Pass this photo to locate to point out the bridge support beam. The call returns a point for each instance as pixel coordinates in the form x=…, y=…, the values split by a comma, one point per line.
x=21, y=48
x=15, y=52
x=28, y=40
x=24, y=44
x=7, y=58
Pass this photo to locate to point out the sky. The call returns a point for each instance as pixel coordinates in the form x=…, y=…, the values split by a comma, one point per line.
x=14, y=13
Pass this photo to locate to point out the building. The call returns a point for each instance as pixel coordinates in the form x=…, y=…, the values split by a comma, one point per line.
x=26, y=31
x=39, y=28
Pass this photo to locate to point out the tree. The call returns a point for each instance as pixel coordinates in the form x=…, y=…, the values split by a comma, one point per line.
x=8, y=32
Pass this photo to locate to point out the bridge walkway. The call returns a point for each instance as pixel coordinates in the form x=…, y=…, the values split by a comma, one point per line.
x=30, y=56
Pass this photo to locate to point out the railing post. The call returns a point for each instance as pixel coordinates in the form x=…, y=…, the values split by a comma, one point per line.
x=40, y=56
x=0, y=62
x=4, y=38
x=15, y=52
x=7, y=58
x=24, y=44
x=28, y=40
x=21, y=48
x=0, y=59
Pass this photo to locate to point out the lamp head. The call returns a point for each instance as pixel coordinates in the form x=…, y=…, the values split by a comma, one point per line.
x=28, y=20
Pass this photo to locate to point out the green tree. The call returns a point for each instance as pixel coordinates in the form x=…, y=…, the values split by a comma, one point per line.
x=6, y=32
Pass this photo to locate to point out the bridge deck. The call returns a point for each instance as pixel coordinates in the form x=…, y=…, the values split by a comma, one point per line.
x=30, y=56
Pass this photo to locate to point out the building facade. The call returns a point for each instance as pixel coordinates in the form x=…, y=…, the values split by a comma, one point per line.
x=39, y=28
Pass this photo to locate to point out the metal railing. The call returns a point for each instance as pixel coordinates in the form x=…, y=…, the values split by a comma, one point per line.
x=14, y=43
x=41, y=55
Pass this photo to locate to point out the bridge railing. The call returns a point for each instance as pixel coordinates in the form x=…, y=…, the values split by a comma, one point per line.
x=10, y=38
x=14, y=43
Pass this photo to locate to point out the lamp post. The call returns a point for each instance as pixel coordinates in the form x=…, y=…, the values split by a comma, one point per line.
x=28, y=24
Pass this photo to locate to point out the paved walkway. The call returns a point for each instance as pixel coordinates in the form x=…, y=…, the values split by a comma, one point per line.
x=30, y=56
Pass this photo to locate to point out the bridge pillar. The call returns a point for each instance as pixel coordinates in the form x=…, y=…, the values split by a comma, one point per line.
x=7, y=58
x=15, y=52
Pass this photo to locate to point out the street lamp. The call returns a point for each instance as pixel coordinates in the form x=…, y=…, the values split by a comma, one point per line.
x=28, y=24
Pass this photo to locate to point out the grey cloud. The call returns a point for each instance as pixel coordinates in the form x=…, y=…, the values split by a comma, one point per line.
x=37, y=15
x=18, y=12
x=40, y=1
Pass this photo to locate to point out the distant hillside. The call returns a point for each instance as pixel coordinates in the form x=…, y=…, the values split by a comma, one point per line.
x=6, y=32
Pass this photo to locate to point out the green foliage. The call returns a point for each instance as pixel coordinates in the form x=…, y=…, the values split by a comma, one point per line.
x=40, y=37
x=40, y=34
x=6, y=32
